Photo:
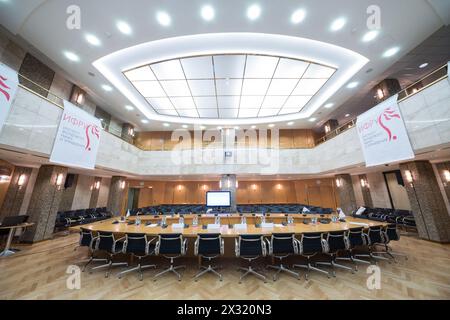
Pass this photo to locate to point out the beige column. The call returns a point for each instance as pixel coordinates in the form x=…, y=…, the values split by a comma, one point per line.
x=116, y=195
x=346, y=193
x=365, y=190
x=95, y=192
x=16, y=192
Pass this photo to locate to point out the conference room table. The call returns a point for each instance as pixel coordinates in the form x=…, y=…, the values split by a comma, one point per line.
x=12, y=230
x=228, y=228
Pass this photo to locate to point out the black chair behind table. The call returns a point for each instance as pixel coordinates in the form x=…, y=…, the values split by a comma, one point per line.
x=107, y=243
x=140, y=247
x=88, y=239
x=391, y=233
x=171, y=246
x=250, y=248
x=337, y=242
x=208, y=246
x=282, y=246
x=356, y=239
x=374, y=236
x=310, y=245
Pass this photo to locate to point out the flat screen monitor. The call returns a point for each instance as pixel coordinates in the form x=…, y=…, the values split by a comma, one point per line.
x=218, y=198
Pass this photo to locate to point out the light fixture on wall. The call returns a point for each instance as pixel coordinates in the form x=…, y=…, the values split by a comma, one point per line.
x=254, y=186
x=131, y=132
x=327, y=128
x=237, y=184
x=59, y=181
x=338, y=182
x=3, y=178
x=380, y=93
x=122, y=184
x=205, y=187
x=446, y=177
x=21, y=181
x=279, y=186
x=364, y=183
x=409, y=177
x=97, y=185
x=79, y=98
x=180, y=187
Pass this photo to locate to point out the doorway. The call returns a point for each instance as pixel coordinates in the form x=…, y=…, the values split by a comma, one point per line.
x=133, y=198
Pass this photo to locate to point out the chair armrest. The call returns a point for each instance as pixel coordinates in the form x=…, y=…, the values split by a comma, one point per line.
x=325, y=246
x=196, y=246
x=116, y=241
x=222, y=246
x=297, y=246
x=264, y=249
x=184, y=247
x=236, y=247
x=269, y=246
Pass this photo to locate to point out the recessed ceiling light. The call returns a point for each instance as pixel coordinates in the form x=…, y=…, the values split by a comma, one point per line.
x=312, y=119
x=163, y=18
x=347, y=115
x=423, y=65
x=338, y=24
x=144, y=121
x=290, y=123
x=166, y=124
x=185, y=126
x=129, y=108
x=390, y=52
x=298, y=16
x=107, y=87
x=71, y=56
x=208, y=12
x=124, y=27
x=253, y=12
x=271, y=125
x=93, y=39
x=369, y=36
x=352, y=85
x=329, y=105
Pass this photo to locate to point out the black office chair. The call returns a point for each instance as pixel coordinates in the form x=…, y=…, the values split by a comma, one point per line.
x=250, y=247
x=282, y=246
x=171, y=246
x=108, y=243
x=311, y=244
x=337, y=242
x=391, y=233
x=356, y=239
x=208, y=246
x=87, y=239
x=138, y=245
x=374, y=236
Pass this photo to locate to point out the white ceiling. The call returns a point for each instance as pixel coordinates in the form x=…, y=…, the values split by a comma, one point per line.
x=43, y=25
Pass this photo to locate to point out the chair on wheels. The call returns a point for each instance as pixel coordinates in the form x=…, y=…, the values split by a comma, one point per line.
x=311, y=244
x=108, y=243
x=250, y=247
x=282, y=246
x=374, y=236
x=391, y=233
x=87, y=239
x=208, y=246
x=337, y=242
x=138, y=245
x=356, y=238
x=171, y=246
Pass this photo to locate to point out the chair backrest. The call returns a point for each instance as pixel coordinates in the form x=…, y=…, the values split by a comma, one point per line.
x=208, y=244
x=105, y=241
x=375, y=235
x=392, y=233
x=170, y=244
x=337, y=240
x=282, y=243
x=251, y=245
x=135, y=243
x=311, y=243
x=85, y=237
x=356, y=237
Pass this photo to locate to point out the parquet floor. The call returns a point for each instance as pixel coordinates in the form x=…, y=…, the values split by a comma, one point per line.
x=39, y=272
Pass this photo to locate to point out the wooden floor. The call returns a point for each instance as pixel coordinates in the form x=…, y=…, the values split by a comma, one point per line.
x=39, y=272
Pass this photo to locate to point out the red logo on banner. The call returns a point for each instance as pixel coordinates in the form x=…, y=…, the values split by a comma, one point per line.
x=91, y=131
x=387, y=115
x=4, y=87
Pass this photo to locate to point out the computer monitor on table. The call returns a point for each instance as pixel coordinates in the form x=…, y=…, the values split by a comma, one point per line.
x=218, y=199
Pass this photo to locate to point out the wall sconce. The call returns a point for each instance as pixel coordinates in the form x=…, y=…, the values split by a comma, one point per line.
x=447, y=175
x=205, y=187
x=180, y=187
x=237, y=184
x=220, y=184
x=338, y=182
x=97, y=185
x=21, y=181
x=229, y=183
x=122, y=185
x=131, y=132
x=380, y=93
x=80, y=98
x=254, y=187
x=279, y=186
x=59, y=181
x=409, y=177
x=327, y=128
x=364, y=183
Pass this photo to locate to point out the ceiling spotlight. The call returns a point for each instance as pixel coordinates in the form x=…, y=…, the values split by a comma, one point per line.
x=129, y=108
x=184, y=126
x=338, y=24
x=163, y=18
x=107, y=87
x=423, y=65
x=144, y=121
x=390, y=52
x=271, y=125
x=124, y=27
x=253, y=12
x=352, y=85
x=93, y=39
x=329, y=105
x=166, y=124
x=312, y=119
x=208, y=13
x=71, y=56
x=298, y=16
x=290, y=123
x=369, y=36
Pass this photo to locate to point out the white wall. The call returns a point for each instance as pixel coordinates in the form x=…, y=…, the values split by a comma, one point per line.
x=83, y=192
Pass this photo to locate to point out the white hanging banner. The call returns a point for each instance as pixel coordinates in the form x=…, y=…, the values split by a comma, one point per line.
x=383, y=135
x=77, y=140
x=9, y=82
